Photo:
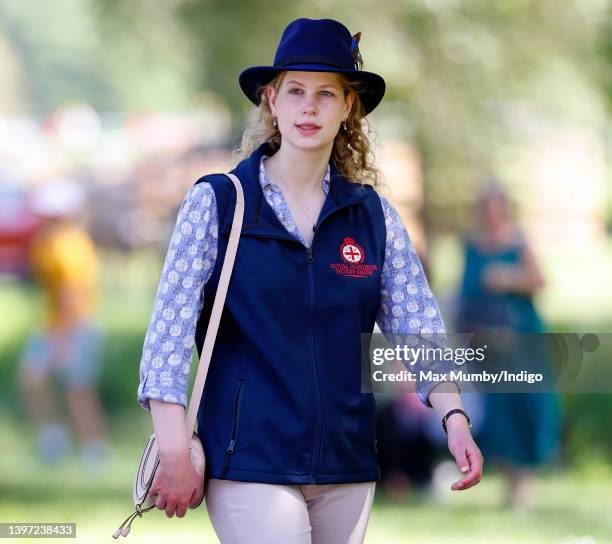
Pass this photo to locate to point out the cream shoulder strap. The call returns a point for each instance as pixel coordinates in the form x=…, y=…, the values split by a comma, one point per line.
x=215, y=316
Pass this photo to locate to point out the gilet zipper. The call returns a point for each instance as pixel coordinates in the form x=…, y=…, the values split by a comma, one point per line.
x=319, y=401
x=309, y=261
x=235, y=419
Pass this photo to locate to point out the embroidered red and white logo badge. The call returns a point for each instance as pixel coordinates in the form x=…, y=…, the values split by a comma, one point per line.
x=353, y=257
x=351, y=251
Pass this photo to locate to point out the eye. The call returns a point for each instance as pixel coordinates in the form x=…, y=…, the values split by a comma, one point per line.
x=329, y=93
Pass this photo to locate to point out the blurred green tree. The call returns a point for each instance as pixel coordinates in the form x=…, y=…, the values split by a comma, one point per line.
x=462, y=74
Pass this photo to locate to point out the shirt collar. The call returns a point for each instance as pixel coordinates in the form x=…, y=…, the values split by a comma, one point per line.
x=265, y=181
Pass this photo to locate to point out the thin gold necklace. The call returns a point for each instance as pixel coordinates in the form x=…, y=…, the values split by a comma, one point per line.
x=314, y=223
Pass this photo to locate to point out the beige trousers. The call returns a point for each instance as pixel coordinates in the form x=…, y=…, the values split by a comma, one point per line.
x=251, y=512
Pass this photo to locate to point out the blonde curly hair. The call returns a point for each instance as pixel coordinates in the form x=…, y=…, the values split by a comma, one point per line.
x=351, y=151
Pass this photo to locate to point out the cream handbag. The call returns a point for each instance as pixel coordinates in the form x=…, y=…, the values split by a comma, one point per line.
x=149, y=460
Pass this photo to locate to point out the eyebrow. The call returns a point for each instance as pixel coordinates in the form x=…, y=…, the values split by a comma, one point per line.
x=320, y=86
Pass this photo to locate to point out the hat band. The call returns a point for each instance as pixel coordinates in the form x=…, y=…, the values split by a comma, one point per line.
x=310, y=59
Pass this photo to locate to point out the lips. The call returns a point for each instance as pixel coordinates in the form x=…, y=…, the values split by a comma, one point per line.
x=308, y=129
x=308, y=126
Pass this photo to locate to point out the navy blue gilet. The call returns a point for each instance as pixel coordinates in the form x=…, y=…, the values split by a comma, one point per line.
x=282, y=401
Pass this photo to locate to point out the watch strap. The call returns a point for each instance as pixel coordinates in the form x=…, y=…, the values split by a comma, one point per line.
x=455, y=411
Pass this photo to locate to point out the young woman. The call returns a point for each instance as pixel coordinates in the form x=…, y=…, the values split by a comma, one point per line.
x=289, y=437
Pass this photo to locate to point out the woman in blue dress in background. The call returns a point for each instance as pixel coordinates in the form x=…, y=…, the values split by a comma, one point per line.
x=521, y=431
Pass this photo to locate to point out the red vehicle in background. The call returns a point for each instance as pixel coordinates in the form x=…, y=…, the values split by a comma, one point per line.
x=17, y=226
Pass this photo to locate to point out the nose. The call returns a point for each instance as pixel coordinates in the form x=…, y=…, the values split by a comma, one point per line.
x=309, y=106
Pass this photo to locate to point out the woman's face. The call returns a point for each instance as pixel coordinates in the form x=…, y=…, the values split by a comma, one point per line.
x=494, y=211
x=309, y=98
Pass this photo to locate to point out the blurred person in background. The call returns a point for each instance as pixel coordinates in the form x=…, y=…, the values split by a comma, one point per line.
x=406, y=454
x=66, y=345
x=521, y=431
x=411, y=444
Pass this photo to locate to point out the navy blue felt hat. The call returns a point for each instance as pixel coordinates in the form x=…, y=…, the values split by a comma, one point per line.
x=316, y=45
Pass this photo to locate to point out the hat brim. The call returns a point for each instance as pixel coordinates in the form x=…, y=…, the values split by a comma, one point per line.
x=253, y=78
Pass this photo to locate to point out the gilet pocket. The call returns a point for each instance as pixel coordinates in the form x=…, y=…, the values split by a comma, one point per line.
x=235, y=422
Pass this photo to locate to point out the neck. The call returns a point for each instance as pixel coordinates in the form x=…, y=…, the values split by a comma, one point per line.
x=300, y=170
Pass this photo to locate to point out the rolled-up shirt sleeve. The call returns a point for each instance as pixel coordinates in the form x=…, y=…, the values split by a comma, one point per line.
x=190, y=259
x=407, y=304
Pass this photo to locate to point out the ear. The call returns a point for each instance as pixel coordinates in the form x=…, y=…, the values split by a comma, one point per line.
x=271, y=98
x=348, y=103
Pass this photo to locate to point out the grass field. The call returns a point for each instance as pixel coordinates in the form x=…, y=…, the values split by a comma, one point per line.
x=571, y=505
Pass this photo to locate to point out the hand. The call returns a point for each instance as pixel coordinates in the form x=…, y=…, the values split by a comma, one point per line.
x=198, y=460
x=177, y=485
x=500, y=277
x=465, y=451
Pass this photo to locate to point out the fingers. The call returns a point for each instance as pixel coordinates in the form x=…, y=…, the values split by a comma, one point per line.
x=160, y=503
x=181, y=510
x=172, y=499
x=466, y=483
x=462, y=461
x=172, y=506
x=474, y=474
x=476, y=459
x=196, y=497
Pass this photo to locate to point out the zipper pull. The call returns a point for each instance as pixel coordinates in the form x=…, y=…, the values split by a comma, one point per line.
x=309, y=254
x=231, y=446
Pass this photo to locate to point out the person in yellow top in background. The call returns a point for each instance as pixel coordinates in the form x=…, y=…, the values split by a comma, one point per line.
x=63, y=260
x=68, y=343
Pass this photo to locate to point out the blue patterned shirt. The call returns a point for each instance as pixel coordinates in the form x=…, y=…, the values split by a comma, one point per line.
x=407, y=304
